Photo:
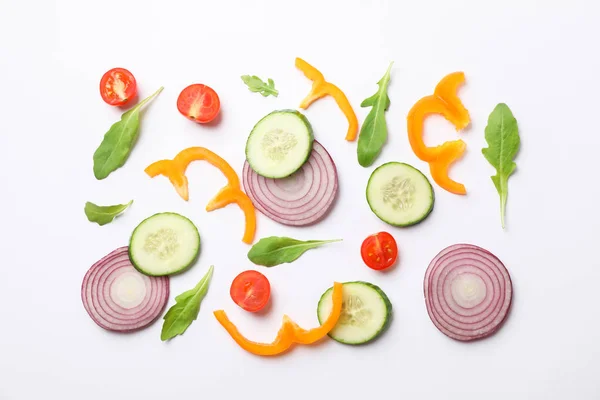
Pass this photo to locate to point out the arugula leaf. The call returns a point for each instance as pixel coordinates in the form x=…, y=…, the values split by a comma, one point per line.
x=255, y=84
x=502, y=136
x=275, y=250
x=185, y=311
x=373, y=132
x=102, y=215
x=119, y=140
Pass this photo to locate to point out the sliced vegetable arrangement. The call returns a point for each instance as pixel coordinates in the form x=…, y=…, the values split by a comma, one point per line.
x=468, y=292
x=303, y=198
x=231, y=193
x=291, y=178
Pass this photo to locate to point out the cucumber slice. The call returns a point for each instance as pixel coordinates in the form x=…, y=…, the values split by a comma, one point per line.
x=399, y=194
x=366, y=313
x=164, y=244
x=279, y=144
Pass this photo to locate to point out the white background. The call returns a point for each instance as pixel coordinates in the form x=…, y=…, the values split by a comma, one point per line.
x=541, y=58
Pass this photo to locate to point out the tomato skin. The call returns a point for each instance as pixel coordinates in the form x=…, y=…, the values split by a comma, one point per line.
x=379, y=251
x=250, y=290
x=199, y=103
x=117, y=87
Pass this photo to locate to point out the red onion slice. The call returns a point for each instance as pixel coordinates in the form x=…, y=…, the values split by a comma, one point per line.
x=303, y=198
x=118, y=297
x=468, y=292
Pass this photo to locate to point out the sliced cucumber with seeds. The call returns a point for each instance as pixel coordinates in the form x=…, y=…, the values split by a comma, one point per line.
x=366, y=313
x=400, y=194
x=164, y=244
x=279, y=144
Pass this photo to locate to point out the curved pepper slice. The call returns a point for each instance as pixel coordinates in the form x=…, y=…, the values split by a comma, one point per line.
x=321, y=88
x=445, y=102
x=289, y=333
x=229, y=195
x=232, y=193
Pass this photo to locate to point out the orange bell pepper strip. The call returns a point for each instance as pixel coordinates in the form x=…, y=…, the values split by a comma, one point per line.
x=321, y=88
x=311, y=336
x=232, y=193
x=445, y=102
x=283, y=340
x=229, y=195
x=289, y=333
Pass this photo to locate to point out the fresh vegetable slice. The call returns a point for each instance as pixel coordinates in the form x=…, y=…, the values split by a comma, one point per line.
x=164, y=244
x=118, y=297
x=250, y=290
x=321, y=88
x=231, y=193
x=119, y=140
x=373, y=132
x=117, y=87
x=366, y=312
x=103, y=215
x=186, y=308
x=283, y=341
x=290, y=332
x=399, y=194
x=468, y=292
x=445, y=102
x=256, y=85
x=502, y=136
x=275, y=250
x=199, y=103
x=379, y=251
x=279, y=144
x=304, y=198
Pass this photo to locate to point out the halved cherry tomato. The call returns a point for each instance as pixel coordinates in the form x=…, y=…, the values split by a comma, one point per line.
x=379, y=251
x=199, y=103
x=250, y=290
x=118, y=86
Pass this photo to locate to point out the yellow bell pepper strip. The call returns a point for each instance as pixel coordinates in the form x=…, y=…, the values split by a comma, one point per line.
x=445, y=102
x=232, y=193
x=321, y=88
x=289, y=333
x=229, y=195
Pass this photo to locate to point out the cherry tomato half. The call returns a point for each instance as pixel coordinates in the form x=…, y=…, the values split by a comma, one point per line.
x=199, y=103
x=118, y=86
x=379, y=251
x=250, y=290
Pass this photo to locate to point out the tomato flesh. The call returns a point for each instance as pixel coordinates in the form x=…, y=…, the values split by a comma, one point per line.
x=379, y=251
x=118, y=86
x=250, y=290
x=199, y=103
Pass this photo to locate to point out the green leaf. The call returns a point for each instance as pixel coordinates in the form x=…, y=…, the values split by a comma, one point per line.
x=502, y=137
x=255, y=84
x=373, y=132
x=275, y=250
x=119, y=140
x=102, y=215
x=186, y=308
